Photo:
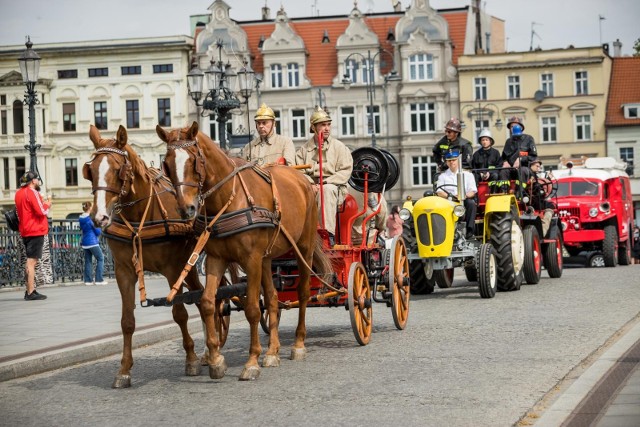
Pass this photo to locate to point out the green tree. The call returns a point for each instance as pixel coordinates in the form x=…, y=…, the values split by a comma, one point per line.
x=636, y=48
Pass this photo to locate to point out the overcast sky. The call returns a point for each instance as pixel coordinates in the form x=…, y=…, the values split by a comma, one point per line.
x=559, y=23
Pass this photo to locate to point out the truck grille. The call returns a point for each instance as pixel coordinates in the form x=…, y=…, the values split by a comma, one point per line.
x=438, y=227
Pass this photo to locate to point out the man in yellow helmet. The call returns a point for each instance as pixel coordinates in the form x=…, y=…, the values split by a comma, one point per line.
x=337, y=165
x=268, y=147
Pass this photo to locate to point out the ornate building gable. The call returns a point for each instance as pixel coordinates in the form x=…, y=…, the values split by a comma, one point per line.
x=421, y=18
x=220, y=27
x=283, y=37
x=358, y=35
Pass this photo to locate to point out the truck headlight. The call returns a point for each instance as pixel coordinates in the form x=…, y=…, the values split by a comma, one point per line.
x=459, y=211
x=404, y=214
x=593, y=212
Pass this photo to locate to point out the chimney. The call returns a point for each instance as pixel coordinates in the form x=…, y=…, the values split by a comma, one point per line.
x=617, y=48
x=266, y=14
x=397, y=6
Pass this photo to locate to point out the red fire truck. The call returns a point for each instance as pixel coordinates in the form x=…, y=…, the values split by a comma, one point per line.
x=596, y=209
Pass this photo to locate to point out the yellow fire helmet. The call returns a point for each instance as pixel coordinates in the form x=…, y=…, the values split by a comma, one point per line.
x=319, y=116
x=264, y=113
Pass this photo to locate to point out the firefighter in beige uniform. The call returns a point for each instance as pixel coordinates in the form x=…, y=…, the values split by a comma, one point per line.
x=268, y=147
x=337, y=165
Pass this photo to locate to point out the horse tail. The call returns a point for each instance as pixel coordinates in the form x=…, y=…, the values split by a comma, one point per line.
x=321, y=262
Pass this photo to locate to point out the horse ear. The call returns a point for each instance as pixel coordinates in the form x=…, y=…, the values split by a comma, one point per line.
x=94, y=136
x=162, y=134
x=121, y=137
x=193, y=131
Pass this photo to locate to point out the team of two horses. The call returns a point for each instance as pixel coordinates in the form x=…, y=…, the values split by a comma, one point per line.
x=222, y=191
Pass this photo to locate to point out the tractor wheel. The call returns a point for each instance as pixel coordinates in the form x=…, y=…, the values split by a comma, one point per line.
x=552, y=256
x=444, y=278
x=487, y=271
x=624, y=251
x=610, y=246
x=532, y=255
x=508, y=242
x=472, y=273
x=419, y=284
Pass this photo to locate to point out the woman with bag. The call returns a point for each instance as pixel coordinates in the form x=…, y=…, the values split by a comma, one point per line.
x=91, y=247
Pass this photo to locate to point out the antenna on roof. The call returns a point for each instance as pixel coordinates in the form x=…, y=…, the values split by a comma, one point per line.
x=533, y=33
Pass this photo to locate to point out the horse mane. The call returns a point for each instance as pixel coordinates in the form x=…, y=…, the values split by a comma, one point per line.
x=139, y=166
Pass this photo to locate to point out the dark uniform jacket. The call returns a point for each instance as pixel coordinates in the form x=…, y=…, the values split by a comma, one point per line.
x=522, y=146
x=444, y=145
x=485, y=159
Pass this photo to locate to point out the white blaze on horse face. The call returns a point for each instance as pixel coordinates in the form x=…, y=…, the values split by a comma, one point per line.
x=101, y=195
x=181, y=161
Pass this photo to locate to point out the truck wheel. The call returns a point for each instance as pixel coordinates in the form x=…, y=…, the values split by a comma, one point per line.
x=532, y=255
x=610, y=246
x=552, y=255
x=624, y=251
x=471, y=273
x=505, y=230
x=444, y=278
x=487, y=271
x=419, y=284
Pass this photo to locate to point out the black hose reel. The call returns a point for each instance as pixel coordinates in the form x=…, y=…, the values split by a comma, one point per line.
x=380, y=168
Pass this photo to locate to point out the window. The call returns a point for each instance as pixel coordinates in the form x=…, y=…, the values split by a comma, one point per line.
x=549, y=129
x=21, y=168
x=351, y=70
x=67, y=74
x=298, y=123
x=277, y=124
x=133, y=114
x=423, y=117
x=18, y=117
x=513, y=87
x=583, y=128
x=367, y=68
x=423, y=168
x=632, y=111
x=5, y=173
x=3, y=99
x=376, y=119
x=480, y=88
x=164, y=111
x=214, y=129
x=276, y=75
x=626, y=154
x=131, y=69
x=69, y=117
x=163, y=68
x=98, y=72
x=293, y=76
x=348, y=121
x=546, y=81
x=3, y=120
x=71, y=172
x=421, y=67
x=582, y=88
x=100, y=114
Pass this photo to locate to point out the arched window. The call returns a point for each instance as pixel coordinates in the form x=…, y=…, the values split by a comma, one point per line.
x=18, y=117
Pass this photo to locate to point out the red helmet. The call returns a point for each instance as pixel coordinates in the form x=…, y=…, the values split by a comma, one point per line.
x=454, y=125
x=515, y=119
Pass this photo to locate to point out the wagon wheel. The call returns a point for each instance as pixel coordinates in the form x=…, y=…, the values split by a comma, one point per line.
x=399, y=282
x=222, y=320
x=264, y=316
x=359, y=300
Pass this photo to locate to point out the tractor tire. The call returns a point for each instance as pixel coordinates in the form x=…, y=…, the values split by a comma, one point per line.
x=624, y=250
x=532, y=255
x=472, y=273
x=444, y=278
x=487, y=271
x=610, y=246
x=504, y=228
x=552, y=255
x=419, y=284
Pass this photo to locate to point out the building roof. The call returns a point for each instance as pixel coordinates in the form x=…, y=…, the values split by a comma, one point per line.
x=624, y=89
x=322, y=65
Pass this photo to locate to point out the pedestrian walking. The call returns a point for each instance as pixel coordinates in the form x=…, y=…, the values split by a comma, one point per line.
x=32, y=211
x=91, y=248
x=635, y=253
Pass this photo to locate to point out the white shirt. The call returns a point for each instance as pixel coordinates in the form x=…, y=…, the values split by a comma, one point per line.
x=448, y=177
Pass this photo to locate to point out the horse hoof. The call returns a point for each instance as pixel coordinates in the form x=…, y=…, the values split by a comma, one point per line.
x=121, y=381
x=271, y=361
x=298, y=353
x=192, y=368
x=203, y=359
x=218, y=370
x=249, y=374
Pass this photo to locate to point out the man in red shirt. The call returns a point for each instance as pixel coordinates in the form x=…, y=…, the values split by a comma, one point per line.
x=34, y=225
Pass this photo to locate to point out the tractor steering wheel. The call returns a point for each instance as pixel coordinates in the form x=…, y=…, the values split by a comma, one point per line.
x=450, y=196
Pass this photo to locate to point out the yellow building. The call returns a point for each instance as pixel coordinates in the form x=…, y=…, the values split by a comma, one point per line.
x=561, y=95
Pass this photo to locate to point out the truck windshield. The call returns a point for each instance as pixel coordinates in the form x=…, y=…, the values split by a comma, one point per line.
x=577, y=188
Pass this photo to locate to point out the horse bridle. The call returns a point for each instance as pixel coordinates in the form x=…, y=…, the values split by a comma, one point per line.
x=125, y=173
x=199, y=162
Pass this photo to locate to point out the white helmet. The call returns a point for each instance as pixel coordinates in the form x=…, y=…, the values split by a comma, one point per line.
x=487, y=133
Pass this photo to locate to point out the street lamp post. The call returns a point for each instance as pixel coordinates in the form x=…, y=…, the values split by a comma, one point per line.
x=478, y=111
x=29, y=67
x=368, y=63
x=220, y=99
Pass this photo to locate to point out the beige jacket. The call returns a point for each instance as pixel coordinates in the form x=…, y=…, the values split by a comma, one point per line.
x=270, y=151
x=337, y=162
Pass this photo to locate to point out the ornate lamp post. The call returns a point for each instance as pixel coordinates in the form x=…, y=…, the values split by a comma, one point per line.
x=29, y=67
x=478, y=112
x=368, y=64
x=220, y=99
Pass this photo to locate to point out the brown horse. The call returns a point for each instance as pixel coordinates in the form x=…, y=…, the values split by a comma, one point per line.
x=209, y=182
x=122, y=187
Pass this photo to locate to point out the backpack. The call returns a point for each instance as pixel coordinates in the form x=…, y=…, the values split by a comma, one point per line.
x=11, y=216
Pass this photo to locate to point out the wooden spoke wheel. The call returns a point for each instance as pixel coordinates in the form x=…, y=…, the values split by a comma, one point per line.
x=359, y=300
x=399, y=282
x=264, y=317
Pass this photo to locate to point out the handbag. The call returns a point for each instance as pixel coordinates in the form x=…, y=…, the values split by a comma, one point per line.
x=11, y=216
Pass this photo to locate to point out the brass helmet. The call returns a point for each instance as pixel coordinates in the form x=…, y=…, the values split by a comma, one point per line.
x=264, y=113
x=319, y=116
x=515, y=119
x=454, y=125
x=486, y=133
